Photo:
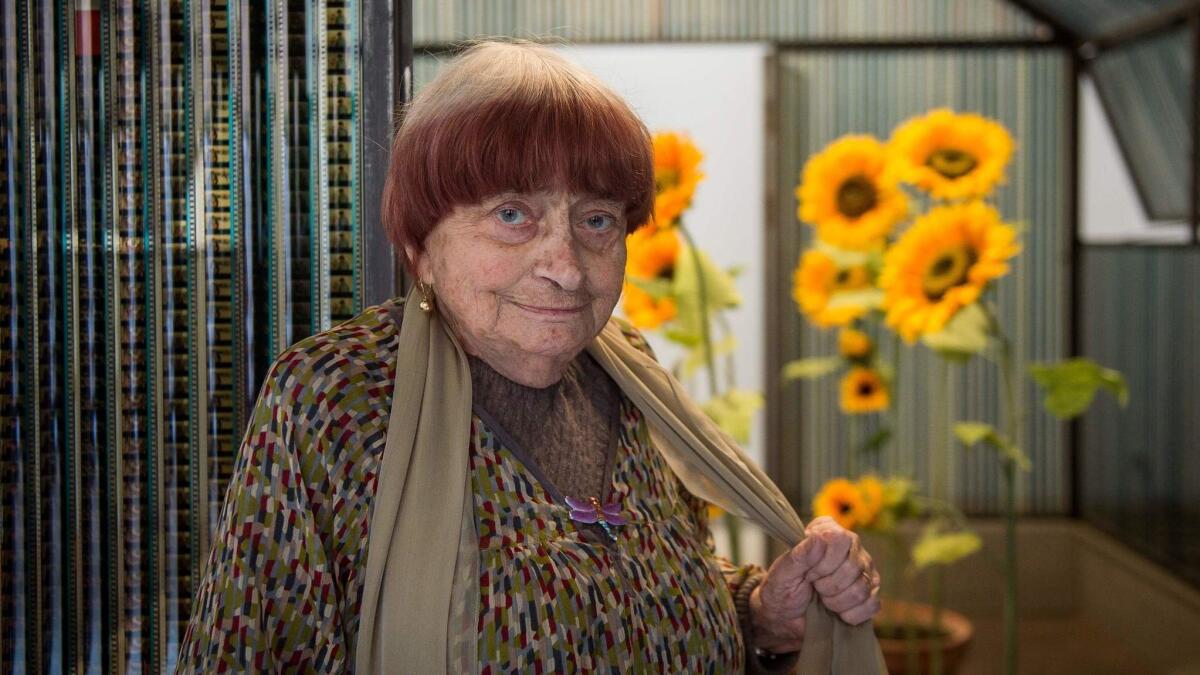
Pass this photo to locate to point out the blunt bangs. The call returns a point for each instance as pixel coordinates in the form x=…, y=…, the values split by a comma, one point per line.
x=513, y=116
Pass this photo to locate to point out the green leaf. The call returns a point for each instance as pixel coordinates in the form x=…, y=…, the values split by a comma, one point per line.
x=682, y=337
x=843, y=258
x=696, y=359
x=973, y=433
x=720, y=290
x=871, y=298
x=965, y=335
x=1071, y=385
x=811, y=368
x=944, y=548
x=655, y=288
x=733, y=411
x=877, y=440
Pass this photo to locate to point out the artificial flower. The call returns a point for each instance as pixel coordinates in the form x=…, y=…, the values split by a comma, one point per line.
x=950, y=155
x=652, y=254
x=819, y=281
x=676, y=174
x=854, y=344
x=871, y=490
x=863, y=391
x=846, y=193
x=841, y=500
x=942, y=264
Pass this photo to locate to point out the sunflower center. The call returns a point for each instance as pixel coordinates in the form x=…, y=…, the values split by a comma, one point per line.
x=665, y=179
x=865, y=388
x=951, y=163
x=844, y=508
x=667, y=272
x=850, y=279
x=856, y=196
x=948, y=269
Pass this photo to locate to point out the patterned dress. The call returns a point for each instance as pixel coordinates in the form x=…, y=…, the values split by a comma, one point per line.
x=282, y=587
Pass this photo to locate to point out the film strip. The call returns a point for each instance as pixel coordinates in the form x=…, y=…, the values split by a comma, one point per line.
x=132, y=320
x=170, y=88
x=12, y=492
x=87, y=304
x=46, y=478
x=299, y=258
x=218, y=215
x=340, y=131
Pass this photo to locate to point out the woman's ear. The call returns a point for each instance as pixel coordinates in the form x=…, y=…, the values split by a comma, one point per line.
x=419, y=263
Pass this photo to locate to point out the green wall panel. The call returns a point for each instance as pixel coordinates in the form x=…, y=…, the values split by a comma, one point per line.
x=1140, y=465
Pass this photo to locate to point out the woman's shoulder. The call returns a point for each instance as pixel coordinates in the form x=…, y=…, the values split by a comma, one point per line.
x=633, y=335
x=359, y=351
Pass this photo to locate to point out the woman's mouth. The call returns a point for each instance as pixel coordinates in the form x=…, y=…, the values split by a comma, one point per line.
x=552, y=311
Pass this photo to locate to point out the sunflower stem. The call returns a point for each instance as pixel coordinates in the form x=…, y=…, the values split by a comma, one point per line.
x=909, y=469
x=1012, y=423
x=705, y=331
x=714, y=387
x=852, y=451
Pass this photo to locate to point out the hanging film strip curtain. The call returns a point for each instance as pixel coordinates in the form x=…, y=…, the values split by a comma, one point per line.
x=179, y=195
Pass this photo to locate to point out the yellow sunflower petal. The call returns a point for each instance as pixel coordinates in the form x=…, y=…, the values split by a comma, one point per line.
x=943, y=263
x=818, y=281
x=841, y=500
x=871, y=489
x=846, y=193
x=950, y=155
x=863, y=391
x=676, y=175
x=854, y=344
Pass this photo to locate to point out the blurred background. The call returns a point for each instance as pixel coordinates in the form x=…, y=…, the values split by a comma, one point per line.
x=187, y=187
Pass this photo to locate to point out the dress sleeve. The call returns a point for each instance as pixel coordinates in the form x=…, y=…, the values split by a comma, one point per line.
x=266, y=600
x=741, y=580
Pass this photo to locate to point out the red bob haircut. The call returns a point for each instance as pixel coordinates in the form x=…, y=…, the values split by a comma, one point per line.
x=512, y=115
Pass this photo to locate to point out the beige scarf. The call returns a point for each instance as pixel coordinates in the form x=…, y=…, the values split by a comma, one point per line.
x=423, y=558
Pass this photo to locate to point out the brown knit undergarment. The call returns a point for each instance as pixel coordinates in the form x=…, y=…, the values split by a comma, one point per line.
x=566, y=429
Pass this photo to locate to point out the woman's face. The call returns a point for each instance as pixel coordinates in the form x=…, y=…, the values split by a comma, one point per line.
x=526, y=280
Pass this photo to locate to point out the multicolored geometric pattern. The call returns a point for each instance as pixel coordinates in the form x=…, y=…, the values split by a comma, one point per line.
x=282, y=586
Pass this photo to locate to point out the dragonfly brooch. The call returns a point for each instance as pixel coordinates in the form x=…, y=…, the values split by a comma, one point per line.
x=590, y=511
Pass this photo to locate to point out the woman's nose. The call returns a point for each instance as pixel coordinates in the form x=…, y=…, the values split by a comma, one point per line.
x=561, y=263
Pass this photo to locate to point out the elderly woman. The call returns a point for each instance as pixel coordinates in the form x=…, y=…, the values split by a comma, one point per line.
x=493, y=474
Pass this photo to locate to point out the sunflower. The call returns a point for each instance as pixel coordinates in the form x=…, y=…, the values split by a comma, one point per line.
x=871, y=490
x=840, y=499
x=863, y=391
x=676, y=174
x=817, y=283
x=942, y=264
x=950, y=155
x=854, y=344
x=846, y=194
x=652, y=253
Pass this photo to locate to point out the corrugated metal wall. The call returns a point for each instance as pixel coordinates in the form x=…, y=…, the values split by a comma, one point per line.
x=440, y=21
x=824, y=94
x=1140, y=466
x=179, y=189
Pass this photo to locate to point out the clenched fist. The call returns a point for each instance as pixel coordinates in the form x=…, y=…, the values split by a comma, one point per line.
x=829, y=562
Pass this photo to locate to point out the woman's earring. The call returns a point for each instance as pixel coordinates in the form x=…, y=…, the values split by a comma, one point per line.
x=426, y=304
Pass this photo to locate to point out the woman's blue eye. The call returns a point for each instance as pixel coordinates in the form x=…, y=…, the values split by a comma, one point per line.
x=510, y=215
x=600, y=221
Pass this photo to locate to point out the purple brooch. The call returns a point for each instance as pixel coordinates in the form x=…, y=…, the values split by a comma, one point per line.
x=592, y=511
